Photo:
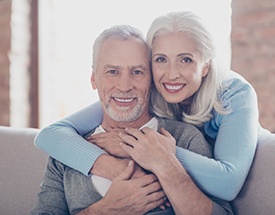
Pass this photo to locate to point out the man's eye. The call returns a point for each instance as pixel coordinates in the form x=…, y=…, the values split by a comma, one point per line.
x=112, y=72
x=137, y=72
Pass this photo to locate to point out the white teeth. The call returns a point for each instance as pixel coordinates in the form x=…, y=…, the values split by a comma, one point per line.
x=123, y=100
x=173, y=87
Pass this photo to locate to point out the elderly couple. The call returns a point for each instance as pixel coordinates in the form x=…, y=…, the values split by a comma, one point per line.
x=142, y=149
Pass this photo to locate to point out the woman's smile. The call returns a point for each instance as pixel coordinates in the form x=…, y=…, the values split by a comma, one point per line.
x=173, y=87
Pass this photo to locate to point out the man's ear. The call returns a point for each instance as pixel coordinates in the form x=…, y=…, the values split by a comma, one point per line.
x=93, y=82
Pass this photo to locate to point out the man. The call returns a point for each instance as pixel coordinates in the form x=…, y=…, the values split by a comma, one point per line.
x=122, y=76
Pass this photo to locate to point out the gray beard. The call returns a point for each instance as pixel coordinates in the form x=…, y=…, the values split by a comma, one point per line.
x=124, y=115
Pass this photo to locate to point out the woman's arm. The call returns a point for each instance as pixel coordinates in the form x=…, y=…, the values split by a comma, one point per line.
x=64, y=140
x=222, y=177
x=236, y=138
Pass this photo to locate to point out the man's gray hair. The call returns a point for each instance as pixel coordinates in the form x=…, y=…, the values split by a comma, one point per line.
x=119, y=32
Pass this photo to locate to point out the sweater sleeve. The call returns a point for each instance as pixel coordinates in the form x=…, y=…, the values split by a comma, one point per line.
x=51, y=198
x=236, y=136
x=64, y=140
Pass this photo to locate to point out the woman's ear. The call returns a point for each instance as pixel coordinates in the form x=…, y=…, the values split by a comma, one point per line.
x=93, y=82
x=206, y=68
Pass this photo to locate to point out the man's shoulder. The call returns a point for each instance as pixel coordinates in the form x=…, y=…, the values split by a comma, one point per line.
x=177, y=128
x=175, y=124
x=58, y=167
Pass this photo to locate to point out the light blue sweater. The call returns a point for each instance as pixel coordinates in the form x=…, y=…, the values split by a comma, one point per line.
x=235, y=137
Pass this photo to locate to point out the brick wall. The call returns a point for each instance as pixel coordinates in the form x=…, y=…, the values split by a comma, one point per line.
x=5, y=35
x=19, y=63
x=253, y=51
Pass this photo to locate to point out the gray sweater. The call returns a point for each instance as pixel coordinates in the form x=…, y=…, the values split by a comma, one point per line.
x=67, y=191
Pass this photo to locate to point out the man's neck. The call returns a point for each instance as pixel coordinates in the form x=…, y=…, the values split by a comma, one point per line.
x=109, y=124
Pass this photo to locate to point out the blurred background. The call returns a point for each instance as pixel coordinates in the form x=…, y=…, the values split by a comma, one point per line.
x=46, y=50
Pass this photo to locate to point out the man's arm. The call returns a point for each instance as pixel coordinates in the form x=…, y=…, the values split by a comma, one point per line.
x=108, y=166
x=51, y=198
x=139, y=195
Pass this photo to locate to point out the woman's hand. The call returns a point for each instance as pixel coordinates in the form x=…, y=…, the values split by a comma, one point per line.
x=110, y=142
x=149, y=148
x=156, y=153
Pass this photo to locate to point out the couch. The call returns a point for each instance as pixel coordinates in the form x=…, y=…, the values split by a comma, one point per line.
x=22, y=166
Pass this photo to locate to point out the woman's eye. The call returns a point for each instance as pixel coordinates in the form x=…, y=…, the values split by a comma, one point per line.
x=160, y=59
x=186, y=60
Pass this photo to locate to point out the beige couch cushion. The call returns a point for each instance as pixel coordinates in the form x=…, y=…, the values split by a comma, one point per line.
x=257, y=196
x=22, y=166
x=21, y=170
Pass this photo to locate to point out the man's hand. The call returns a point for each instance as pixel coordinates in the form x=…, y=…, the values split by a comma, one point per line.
x=109, y=142
x=108, y=166
x=129, y=196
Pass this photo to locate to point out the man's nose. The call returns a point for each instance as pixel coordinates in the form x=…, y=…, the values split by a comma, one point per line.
x=125, y=83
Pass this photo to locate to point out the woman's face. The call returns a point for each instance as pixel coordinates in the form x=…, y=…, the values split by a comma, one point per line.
x=177, y=67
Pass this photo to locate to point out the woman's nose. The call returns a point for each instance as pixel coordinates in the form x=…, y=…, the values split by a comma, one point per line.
x=173, y=72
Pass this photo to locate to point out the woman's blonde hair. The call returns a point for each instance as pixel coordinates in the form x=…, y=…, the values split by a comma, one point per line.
x=207, y=96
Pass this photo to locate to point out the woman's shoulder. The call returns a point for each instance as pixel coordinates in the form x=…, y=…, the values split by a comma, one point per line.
x=235, y=85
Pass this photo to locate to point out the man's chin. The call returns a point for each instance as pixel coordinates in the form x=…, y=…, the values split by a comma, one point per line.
x=123, y=117
x=124, y=114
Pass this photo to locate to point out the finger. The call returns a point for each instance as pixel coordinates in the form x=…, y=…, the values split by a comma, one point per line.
x=94, y=136
x=148, y=181
x=168, y=204
x=153, y=187
x=89, y=138
x=156, y=200
x=146, y=130
x=128, y=139
x=127, y=173
x=127, y=148
x=136, y=133
x=142, y=131
x=165, y=133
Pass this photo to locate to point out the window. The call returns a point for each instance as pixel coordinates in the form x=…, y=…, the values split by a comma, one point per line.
x=67, y=30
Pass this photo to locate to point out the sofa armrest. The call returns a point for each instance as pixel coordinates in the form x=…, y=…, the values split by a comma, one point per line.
x=258, y=193
x=22, y=167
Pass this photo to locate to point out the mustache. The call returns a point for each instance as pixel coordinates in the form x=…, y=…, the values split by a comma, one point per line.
x=124, y=95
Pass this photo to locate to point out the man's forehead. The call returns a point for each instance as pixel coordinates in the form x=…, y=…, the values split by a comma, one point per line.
x=128, y=44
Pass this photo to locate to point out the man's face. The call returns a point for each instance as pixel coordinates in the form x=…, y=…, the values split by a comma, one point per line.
x=122, y=77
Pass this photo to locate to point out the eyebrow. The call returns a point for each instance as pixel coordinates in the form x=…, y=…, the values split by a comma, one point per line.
x=182, y=54
x=179, y=55
x=130, y=67
x=137, y=67
x=112, y=66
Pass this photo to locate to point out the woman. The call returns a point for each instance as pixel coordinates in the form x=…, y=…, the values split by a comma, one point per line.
x=189, y=86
